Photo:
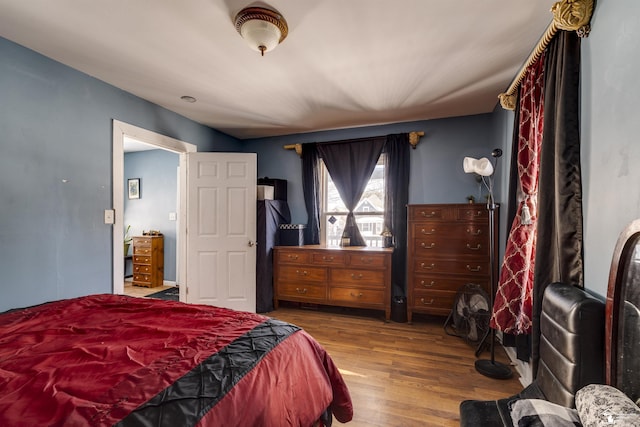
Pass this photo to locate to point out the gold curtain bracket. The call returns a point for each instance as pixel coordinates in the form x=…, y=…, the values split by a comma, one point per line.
x=568, y=15
x=414, y=138
x=297, y=147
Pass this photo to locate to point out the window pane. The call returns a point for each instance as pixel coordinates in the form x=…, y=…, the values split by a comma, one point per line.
x=369, y=212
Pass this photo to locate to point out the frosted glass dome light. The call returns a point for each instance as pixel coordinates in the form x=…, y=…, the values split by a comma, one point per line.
x=262, y=29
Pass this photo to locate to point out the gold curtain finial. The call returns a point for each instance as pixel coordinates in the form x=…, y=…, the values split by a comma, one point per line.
x=414, y=138
x=572, y=15
x=568, y=15
x=507, y=101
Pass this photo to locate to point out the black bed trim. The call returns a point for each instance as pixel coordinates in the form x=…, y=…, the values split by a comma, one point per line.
x=188, y=399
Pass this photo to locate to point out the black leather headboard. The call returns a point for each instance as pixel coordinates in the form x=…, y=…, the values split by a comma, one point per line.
x=571, y=342
x=571, y=356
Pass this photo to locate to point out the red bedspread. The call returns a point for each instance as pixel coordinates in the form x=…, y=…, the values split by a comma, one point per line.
x=97, y=360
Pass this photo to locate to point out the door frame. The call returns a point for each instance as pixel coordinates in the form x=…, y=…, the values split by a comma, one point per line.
x=120, y=129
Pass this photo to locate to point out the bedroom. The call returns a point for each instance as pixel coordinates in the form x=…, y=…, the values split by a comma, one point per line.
x=55, y=167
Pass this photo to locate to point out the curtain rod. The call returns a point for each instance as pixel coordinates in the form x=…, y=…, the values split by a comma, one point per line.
x=568, y=15
x=414, y=138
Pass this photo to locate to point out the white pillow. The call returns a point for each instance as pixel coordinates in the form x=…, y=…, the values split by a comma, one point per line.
x=603, y=405
x=540, y=413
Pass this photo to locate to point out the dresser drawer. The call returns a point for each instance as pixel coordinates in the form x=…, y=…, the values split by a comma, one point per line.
x=441, y=246
x=139, y=277
x=434, y=300
x=302, y=274
x=142, y=268
x=292, y=257
x=358, y=277
x=473, y=213
x=362, y=296
x=435, y=230
x=427, y=282
x=451, y=266
x=142, y=241
x=141, y=259
x=417, y=213
x=142, y=250
x=375, y=261
x=328, y=258
x=301, y=291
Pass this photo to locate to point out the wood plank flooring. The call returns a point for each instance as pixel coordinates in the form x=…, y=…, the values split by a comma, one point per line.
x=400, y=374
x=141, y=291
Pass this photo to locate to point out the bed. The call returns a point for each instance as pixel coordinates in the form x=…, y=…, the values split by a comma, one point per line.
x=117, y=360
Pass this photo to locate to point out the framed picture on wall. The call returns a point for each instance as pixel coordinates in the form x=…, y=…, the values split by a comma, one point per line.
x=133, y=185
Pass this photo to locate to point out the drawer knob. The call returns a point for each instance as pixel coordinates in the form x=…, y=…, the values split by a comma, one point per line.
x=425, y=302
x=428, y=214
x=423, y=231
x=301, y=291
x=356, y=276
x=474, y=214
x=327, y=258
x=294, y=257
x=474, y=269
x=425, y=246
x=474, y=233
x=429, y=266
x=356, y=296
x=301, y=273
x=427, y=285
x=476, y=248
x=365, y=260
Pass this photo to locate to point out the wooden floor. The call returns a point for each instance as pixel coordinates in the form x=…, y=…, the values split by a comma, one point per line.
x=400, y=374
x=141, y=291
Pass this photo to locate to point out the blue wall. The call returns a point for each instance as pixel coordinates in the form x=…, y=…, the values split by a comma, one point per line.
x=609, y=129
x=157, y=170
x=436, y=164
x=55, y=166
x=55, y=174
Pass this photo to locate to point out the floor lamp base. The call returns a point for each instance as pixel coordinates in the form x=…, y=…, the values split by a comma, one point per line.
x=493, y=369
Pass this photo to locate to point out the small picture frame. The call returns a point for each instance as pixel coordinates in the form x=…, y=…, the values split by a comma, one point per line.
x=133, y=186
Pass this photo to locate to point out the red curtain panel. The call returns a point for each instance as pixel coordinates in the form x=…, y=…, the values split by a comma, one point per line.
x=512, y=308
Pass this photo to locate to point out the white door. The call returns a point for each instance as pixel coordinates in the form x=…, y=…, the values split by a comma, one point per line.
x=220, y=252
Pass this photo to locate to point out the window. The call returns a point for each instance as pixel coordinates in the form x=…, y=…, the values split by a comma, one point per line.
x=369, y=212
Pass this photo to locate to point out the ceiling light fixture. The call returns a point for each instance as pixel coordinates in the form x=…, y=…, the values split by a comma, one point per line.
x=262, y=29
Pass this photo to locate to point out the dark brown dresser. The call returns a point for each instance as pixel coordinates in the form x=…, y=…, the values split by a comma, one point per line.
x=448, y=246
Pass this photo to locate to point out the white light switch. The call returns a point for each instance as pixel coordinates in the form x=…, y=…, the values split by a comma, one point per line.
x=172, y=216
x=109, y=216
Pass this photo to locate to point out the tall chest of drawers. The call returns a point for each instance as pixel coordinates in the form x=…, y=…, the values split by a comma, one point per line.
x=348, y=277
x=148, y=261
x=448, y=246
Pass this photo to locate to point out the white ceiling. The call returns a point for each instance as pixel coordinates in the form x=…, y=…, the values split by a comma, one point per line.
x=345, y=63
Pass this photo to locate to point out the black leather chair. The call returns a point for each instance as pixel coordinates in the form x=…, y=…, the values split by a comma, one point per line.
x=571, y=356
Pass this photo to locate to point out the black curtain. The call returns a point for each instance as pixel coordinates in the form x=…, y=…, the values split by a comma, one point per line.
x=559, y=253
x=397, y=168
x=310, y=188
x=350, y=165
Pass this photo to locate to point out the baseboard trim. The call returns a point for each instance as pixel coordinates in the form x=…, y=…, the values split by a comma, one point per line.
x=523, y=368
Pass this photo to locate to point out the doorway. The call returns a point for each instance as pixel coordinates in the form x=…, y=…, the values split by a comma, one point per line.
x=122, y=131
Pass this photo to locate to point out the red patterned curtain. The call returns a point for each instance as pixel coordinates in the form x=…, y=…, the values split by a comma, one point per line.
x=512, y=308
